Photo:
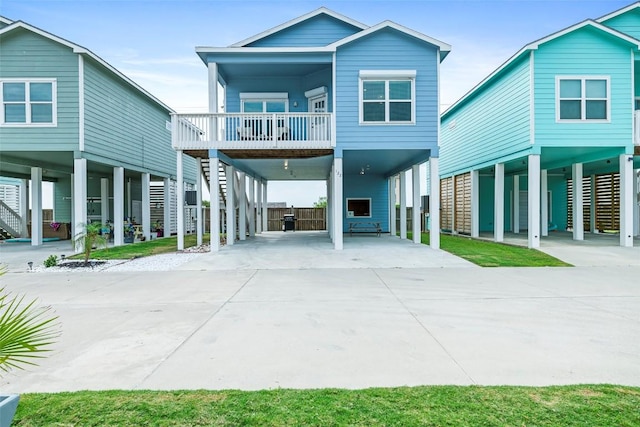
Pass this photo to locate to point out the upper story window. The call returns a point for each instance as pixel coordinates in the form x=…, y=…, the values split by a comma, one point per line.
x=583, y=99
x=387, y=97
x=30, y=102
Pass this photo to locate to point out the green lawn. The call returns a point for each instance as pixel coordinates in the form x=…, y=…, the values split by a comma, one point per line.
x=581, y=405
x=140, y=249
x=491, y=254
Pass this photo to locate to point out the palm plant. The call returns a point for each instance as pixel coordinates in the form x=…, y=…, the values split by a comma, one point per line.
x=89, y=238
x=26, y=330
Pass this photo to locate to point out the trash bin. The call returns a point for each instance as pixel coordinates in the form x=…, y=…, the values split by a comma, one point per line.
x=288, y=222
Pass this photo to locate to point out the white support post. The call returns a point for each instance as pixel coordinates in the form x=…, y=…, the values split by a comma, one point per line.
x=231, y=206
x=544, y=203
x=180, y=200
x=534, y=201
x=214, y=203
x=199, y=216
x=36, y=206
x=415, y=210
x=498, y=201
x=516, y=205
x=392, y=205
x=146, y=205
x=24, y=207
x=578, y=218
x=104, y=200
x=475, y=203
x=265, y=209
x=636, y=207
x=252, y=207
x=592, y=217
x=627, y=200
x=79, y=196
x=118, y=206
x=403, y=205
x=337, y=204
x=259, y=206
x=242, y=207
x=434, y=203
x=329, y=207
x=166, y=214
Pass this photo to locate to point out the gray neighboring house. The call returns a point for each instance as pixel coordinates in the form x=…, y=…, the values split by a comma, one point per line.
x=70, y=118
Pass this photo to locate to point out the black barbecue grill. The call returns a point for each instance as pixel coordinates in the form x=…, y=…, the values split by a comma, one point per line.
x=288, y=222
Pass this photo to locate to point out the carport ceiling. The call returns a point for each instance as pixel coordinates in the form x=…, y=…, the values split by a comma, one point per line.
x=284, y=169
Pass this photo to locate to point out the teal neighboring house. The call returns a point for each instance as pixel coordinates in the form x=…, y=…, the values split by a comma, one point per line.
x=551, y=139
x=320, y=97
x=70, y=118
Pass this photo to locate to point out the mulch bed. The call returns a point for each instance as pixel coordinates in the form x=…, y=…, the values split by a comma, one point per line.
x=80, y=264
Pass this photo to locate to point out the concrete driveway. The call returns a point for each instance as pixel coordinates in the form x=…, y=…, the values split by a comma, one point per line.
x=246, y=328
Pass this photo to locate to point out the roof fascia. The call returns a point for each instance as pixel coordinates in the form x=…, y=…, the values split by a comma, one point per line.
x=5, y=20
x=534, y=46
x=83, y=51
x=212, y=49
x=291, y=23
x=444, y=47
x=618, y=12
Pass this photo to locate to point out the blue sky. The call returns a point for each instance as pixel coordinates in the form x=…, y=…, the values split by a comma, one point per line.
x=153, y=41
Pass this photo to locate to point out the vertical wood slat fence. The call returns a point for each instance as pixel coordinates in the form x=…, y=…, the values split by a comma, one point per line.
x=307, y=219
x=607, y=202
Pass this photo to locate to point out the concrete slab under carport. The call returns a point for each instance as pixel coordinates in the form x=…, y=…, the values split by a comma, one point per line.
x=597, y=249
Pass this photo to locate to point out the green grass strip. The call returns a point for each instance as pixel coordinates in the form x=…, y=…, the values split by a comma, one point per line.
x=492, y=254
x=459, y=406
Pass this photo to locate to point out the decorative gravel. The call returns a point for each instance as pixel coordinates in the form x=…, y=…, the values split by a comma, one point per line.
x=164, y=262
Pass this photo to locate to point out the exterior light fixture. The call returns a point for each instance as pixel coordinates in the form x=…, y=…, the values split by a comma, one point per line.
x=361, y=171
x=30, y=264
x=286, y=164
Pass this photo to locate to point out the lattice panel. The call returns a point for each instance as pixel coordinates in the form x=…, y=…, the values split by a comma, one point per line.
x=462, y=197
x=446, y=204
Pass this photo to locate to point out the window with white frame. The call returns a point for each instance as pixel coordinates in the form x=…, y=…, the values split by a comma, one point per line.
x=29, y=102
x=583, y=98
x=387, y=97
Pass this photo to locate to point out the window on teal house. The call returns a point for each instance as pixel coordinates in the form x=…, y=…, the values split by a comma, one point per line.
x=582, y=99
x=386, y=98
x=28, y=102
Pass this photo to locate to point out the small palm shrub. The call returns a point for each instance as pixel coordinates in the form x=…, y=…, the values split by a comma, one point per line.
x=89, y=238
x=52, y=261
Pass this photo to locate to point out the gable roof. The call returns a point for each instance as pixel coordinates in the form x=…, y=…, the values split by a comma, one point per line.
x=305, y=17
x=534, y=46
x=619, y=12
x=444, y=47
x=81, y=51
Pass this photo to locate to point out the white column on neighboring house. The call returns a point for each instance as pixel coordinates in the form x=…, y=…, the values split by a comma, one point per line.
x=214, y=203
x=242, y=207
x=516, y=205
x=329, y=208
x=498, y=201
x=337, y=204
x=534, y=201
x=259, y=206
x=36, y=206
x=636, y=208
x=231, y=206
x=252, y=207
x=475, y=203
x=265, y=209
x=544, y=203
x=627, y=200
x=434, y=203
x=403, y=205
x=392, y=205
x=180, y=201
x=213, y=98
x=118, y=206
x=79, y=196
x=104, y=200
x=593, y=226
x=129, y=201
x=24, y=207
x=578, y=219
x=199, y=216
x=166, y=201
x=146, y=205
x=415, y=211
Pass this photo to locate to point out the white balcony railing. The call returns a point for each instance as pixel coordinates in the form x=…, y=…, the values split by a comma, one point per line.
x=252, y=131
x=636, y=127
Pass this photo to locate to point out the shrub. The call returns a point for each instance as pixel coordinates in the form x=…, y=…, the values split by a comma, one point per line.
x=52, y=261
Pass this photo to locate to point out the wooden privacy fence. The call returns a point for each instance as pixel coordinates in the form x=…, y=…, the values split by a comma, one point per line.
x=308, y=219
x=607, y=202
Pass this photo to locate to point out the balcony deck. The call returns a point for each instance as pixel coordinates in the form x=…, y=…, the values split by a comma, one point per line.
x=248, y=135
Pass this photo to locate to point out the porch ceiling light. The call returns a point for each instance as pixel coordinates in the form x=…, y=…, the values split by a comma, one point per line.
x=286, y=164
